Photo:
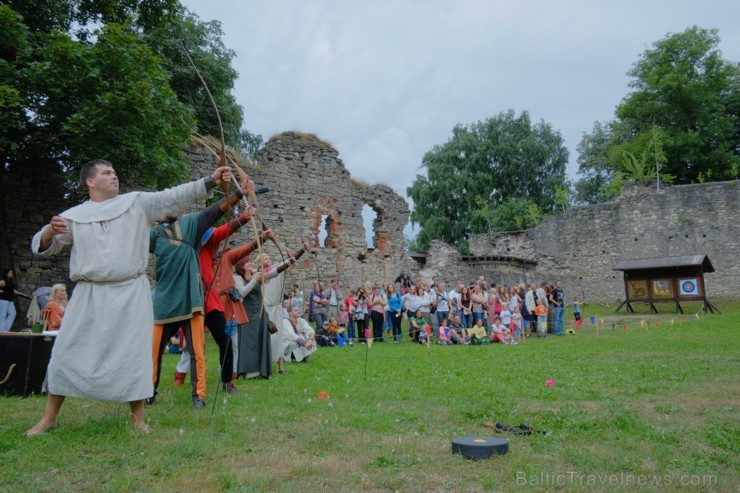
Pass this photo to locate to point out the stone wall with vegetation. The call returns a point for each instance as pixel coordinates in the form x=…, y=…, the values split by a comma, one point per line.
x=582, y=245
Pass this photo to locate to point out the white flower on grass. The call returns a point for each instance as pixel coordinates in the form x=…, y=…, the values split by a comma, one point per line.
x=182, y=431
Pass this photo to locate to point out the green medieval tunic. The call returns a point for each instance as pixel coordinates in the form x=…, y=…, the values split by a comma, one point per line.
x=175, y=249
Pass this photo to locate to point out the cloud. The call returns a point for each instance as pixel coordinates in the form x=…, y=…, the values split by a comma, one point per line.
x=384, y=81
x=384, y=158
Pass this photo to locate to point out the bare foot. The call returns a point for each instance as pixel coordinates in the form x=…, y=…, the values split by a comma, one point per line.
x=138, y=424
x=140, y=427
x=40, y=427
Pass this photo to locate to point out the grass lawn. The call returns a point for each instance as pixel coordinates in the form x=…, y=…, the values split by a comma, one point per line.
x=644, y=409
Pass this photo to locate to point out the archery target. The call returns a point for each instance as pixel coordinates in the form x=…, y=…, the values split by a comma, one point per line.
x=689, y=287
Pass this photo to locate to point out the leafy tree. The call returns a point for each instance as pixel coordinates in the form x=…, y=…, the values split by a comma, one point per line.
x=562, y=198
x=651, y=162
x=687, y=93
x=13, y=40
x=598, y=163
x=82, y=79
x=515, y=214
x=684, y=87
x=410, y=244
x=638, y=170
x=109, y=99
x=480, y=217
x=203, y=41
x=484, y=164
x=250, y=144
x=82, y=18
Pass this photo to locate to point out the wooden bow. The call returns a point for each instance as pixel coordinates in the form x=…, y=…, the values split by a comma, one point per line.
x=250, y=190
x=243, y=177
x=224, y=184
x=221, y=158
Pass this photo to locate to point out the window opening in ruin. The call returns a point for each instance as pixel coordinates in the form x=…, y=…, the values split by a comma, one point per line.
x=369, y=220
x=324, y=229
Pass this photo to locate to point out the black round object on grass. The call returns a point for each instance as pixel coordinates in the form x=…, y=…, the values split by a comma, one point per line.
x=479, y=447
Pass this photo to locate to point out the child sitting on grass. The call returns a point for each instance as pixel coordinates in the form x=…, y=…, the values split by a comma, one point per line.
x=342, y=320
x=336, y=331
x=448, y=335
x=444, y=333
x=324, y=337
x=501, y=333
x=458, y=334
x=478, y=331
x=425, y=334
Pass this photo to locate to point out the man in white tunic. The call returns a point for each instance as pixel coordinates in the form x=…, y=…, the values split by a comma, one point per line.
x=103, y=350
x=274, y=281
x=298, y=336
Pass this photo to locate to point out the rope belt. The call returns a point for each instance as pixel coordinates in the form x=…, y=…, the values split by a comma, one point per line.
x=117, y=281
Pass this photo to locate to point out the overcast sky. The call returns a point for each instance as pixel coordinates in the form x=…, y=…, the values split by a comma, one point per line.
x=384, y=81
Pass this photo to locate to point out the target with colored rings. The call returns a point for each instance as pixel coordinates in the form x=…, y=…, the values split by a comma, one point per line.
x=689, y=287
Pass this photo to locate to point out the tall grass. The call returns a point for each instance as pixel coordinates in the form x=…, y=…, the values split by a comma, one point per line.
x=646, y=408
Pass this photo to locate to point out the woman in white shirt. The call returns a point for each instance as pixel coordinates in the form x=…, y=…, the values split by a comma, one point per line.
x=480, y=301
x=426, y=303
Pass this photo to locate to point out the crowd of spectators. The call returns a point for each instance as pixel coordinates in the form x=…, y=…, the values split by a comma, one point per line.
x=463, y=313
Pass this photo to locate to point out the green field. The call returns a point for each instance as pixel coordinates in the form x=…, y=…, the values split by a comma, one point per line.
x=649, y=408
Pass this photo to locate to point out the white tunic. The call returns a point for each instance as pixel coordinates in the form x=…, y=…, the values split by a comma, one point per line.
x=104, y=347
x=290, y=339
x=273, y=297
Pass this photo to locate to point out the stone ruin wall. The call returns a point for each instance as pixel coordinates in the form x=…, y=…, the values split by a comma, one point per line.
x=30, y=197
x=581, y=246
x=308, y=182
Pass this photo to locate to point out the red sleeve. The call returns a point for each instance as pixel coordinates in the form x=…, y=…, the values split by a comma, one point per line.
x=237, y=253
x=220, y=234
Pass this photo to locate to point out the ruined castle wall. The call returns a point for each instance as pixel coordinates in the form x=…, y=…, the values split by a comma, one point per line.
x=30, y=197
x=581, y=246
x=311, y=190
x=445, y=263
